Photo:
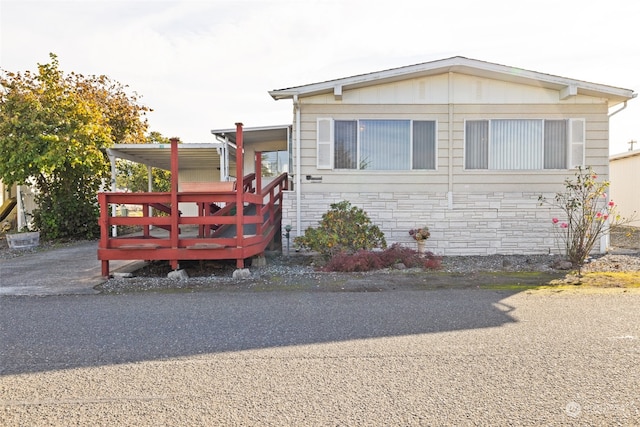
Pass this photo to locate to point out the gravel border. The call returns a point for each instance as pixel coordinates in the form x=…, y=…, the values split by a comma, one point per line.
x=298, y=270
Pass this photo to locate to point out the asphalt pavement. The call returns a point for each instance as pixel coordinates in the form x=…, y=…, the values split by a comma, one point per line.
x=301, y=358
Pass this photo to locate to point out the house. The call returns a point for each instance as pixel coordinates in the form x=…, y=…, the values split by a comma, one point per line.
x=624, y=172
x=462, y=146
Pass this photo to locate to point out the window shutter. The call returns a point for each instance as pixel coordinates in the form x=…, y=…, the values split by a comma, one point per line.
x=324, y=152
x=577, y=140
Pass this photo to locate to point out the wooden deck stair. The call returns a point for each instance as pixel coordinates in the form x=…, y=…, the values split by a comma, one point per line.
x=164, y=237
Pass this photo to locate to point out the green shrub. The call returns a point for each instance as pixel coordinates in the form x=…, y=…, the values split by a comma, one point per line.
x=344, y=228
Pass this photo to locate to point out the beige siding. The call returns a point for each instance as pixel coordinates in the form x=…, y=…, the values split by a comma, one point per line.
x=625, y=186
x=465, y=89
x=595, y=116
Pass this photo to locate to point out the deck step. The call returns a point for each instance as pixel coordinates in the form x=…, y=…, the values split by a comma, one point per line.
x=206, y=246
x=140, y=246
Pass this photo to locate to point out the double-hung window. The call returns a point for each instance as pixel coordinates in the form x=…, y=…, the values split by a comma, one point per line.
x=376, y=144
x=521, y=144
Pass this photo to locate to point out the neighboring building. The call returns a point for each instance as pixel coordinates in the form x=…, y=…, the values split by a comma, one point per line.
x=624, y=174
x=462, y=146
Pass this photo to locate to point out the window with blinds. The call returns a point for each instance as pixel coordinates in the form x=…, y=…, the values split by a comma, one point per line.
x=379, y=144
x=524, y=144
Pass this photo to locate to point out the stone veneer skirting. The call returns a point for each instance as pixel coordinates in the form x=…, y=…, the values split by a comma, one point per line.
x=470, y=224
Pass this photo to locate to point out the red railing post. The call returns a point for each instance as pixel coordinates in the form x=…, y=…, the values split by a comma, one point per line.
x=258, y=169
x=239, y=194
x=104, y=230
x=175, y=212
x=146, y=230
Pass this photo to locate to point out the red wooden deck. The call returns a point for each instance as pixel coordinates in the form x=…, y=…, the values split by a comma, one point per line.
x=172, y=236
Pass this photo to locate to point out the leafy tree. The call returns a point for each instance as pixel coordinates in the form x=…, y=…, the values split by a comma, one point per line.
x=133, y=176
x=54, y=129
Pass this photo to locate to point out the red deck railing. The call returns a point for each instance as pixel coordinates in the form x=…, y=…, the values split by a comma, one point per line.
x=230, y=223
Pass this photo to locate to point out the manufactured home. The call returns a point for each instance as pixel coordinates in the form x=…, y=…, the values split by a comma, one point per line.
x=462, y=146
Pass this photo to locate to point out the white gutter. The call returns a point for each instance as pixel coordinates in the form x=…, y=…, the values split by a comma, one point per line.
x=620, y=109
x=296, y=106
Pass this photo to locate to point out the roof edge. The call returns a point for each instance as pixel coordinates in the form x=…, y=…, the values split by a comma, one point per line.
x=454, y=64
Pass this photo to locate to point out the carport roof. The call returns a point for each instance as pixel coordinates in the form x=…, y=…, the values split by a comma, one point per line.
x=196, y=156
x=190, y=156
x=255, y=134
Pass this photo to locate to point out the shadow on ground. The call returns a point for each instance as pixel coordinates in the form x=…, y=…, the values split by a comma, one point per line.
x=63, y=332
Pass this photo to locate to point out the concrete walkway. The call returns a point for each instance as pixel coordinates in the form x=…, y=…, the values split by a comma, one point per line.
x=68, y=270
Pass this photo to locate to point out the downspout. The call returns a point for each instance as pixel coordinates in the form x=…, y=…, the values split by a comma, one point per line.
x=450, y=142
x=296, y=106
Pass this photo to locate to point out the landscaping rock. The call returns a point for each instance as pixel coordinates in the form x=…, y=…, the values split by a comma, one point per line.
x=241, y=274
x=178, y=275
x=562, y=265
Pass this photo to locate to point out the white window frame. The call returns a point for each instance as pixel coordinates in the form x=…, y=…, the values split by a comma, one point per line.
x=575, y=141
x=324, y=146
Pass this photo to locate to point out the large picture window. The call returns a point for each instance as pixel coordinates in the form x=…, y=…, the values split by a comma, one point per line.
x=376, y=144
x=524, y=144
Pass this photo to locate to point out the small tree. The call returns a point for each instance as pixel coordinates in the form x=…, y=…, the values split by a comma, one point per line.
x=588, y=214
x=54, y=128
x=344, y=228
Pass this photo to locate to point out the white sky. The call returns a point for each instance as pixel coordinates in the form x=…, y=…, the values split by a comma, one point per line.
x=205, y=65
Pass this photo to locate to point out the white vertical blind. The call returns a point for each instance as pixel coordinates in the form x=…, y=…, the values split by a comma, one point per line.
x=555, y=144
x=385, y=144
x=424, y=145
x=346, y=144
x=476, y=144
x=516, y=144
